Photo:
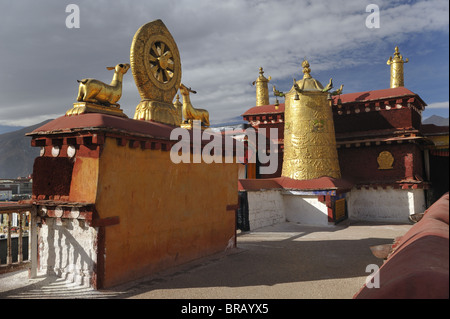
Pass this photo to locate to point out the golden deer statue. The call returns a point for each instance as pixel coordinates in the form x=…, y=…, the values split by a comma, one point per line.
x=97, y=92
x=189, y=112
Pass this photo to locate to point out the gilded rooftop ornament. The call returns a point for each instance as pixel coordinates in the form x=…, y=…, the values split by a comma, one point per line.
x=308, y=83
x=190, y=113
x=95, y=96
x=396, y=63
x=309, y=139
x=329, y=86
x=278, y=93
x=262, y=91
x=338, y=91
x=156, y=67
x=306, y=70
x=179, y=108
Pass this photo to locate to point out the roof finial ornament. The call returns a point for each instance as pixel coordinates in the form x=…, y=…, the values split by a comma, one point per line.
x=262, y=91
x=396, y=63
x=309, y=136
x=306, y=69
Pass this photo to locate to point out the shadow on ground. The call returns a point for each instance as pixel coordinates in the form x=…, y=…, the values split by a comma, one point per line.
x=267, y=263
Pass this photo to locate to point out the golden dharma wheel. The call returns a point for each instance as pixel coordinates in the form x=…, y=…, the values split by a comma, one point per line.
x=155, y=62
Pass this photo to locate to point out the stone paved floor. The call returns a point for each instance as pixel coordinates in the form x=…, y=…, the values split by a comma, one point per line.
x=288, y=261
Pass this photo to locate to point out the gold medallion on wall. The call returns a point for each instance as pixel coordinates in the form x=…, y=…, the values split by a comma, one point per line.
x=385, y=160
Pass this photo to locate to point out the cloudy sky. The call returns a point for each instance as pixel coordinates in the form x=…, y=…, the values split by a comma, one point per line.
x=222, y=44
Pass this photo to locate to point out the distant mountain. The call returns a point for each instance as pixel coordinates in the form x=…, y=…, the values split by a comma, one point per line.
x=436, y=120
x=231, y=121
x=7, y=128
x=16, y=154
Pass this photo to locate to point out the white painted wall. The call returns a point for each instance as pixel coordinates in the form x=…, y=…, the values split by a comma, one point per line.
x=306, y=210
x=270, y=207
x=61, y=255
x=385, y=205
x=265, y=208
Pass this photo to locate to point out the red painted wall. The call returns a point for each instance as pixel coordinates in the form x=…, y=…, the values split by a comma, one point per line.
x=280, y=136
x=403, y=118
x=359, y=164
x=418, y=266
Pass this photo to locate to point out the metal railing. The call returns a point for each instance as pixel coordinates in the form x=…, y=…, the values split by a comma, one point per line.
x=17, y=223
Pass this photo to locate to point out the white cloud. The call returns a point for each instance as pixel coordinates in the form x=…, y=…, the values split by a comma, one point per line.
x=222, y=45
x=438, y=105
x=277, y=35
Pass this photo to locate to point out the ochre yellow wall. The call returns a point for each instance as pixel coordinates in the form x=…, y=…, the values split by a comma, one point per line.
x=169, y=213
x=441, y=141
x=251, y=170
x=83, y=187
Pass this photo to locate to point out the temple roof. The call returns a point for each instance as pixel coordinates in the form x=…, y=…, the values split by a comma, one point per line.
x=114, y=126
x=265, y=109
x=357, y=97
x=377, y=95
x=98, y=121
x=431, y=129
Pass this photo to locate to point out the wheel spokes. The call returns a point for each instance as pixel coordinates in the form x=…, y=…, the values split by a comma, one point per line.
x=161, y=62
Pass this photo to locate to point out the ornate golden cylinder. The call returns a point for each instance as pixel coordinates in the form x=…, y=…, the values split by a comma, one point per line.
x=262, y=89
x=309, y=137
x=397, y=78
x=397, y=74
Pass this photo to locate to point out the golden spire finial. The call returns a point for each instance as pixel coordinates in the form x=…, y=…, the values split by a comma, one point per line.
x=396, y=63
x=262, y=90
x=306, y=69
x=261, y=77
x=178, y=111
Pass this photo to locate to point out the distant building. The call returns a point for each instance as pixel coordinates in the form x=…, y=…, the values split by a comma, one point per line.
x=392, y=160
x=5, y=194
x=21, y=188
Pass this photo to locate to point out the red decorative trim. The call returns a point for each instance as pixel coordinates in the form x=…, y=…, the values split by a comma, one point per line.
x=134, y=144
x=444, y=153
x=98, y=139
x=402, y=185
x=104, y=222
x=98, y=277
x=121, y=141
x=233, y=207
